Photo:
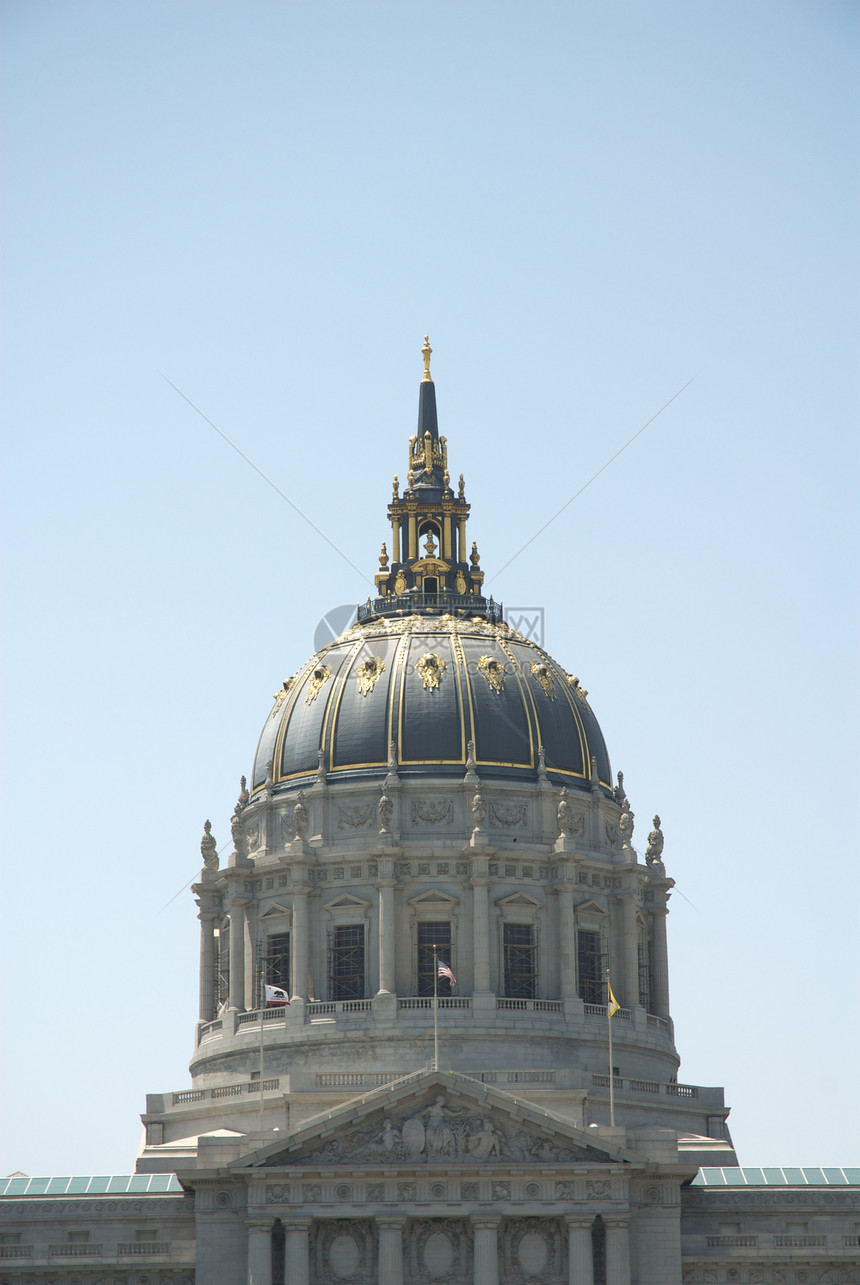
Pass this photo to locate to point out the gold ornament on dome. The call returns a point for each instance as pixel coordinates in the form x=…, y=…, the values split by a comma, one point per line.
x=400, y=583
x=431, y=668
x=368, y=672
x=545, y=678
x=383, y=557
x=316, y=682
x=460, y=583
x=281, y=696
x=494, y=671
x=580, y=691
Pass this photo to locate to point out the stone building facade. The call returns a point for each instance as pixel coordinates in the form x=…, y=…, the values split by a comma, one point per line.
x=430, y=789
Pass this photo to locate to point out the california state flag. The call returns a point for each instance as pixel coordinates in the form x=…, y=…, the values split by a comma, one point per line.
x=275, y=996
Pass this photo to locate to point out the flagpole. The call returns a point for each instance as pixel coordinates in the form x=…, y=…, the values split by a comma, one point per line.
x=262, y=1011
x=611, y=1071
x=435, y=1009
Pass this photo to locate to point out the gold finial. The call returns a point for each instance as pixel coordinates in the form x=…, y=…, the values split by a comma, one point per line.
x=425, y=352
x=383, y=557
x=462, y=488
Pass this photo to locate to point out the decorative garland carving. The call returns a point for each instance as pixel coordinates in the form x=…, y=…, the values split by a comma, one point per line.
x=432, y=811
x=508, y=814
x=356, y=816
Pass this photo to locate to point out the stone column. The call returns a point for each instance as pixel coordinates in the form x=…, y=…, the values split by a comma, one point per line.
x=413, y=536
x=481, y=932
x=567, y=939
x=396, y=555
x=297, y=1253
x=299, y=943
x=387, y=969
x=580, y=1259
x=259, y=1252
x=462, y=548
x=617, y=1251
x=236, y=907
x=486, y=1251
x=660, y=963
x=390, y=1250
x=629, y=937
x=208, y=966
x=447, y=551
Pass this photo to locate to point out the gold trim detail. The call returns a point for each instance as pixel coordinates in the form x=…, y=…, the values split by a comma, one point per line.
x=431, y=668
x=281, y=696
x=460, y=584
x=494, y=671
x=316, y=682
x=545, y=678
x=399, y=583
x=368, y=672
x=425, y=353
x=580, y=691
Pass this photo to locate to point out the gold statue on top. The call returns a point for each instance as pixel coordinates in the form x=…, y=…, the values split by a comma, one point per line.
x=425, y=352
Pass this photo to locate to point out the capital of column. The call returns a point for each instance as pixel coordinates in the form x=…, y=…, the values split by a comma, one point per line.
x=296, y=1224
x=390, y=1222
x=259, y=1224
x=616, y=1222
x=488, y=1222
x=579, y=1222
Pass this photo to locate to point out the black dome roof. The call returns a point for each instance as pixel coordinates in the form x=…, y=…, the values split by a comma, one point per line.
x=430, y=685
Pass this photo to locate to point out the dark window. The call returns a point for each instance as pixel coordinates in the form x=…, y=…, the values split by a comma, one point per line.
x=591, y=968
x=347, y=962
x=520, y=961
x=644, y=976
x=277, y=963
x=428, y=936
x=598, y=1250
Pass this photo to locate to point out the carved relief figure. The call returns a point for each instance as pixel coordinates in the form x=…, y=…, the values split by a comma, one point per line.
x=208, y=846
x=385, y=809
x=479, y=810
x=431, y=668
x=300, y=816
x=440, y=1135
x=654, y=851
x=368, y=672
x=316, y=682
x=625, y=825
x=565, y=814
x=485, y=1142
x=494, y=671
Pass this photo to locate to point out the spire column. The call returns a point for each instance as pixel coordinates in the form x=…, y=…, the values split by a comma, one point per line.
x=208, y=969
x=300, y=940
x=387, y=971
x=481, y=934
x=630, y=973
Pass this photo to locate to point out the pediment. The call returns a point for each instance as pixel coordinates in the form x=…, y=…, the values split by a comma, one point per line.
x=347, y=902
x=435, y=1118
x=519, y=901
x=589, y=908
x=275, y=909
x=433, y=896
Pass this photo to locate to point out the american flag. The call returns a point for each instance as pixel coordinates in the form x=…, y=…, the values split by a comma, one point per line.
x=445, y=971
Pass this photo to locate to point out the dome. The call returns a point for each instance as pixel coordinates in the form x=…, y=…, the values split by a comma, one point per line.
x=418, y=692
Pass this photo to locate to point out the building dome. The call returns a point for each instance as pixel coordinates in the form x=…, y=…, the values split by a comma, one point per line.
x=431, y=681
x=430, y=695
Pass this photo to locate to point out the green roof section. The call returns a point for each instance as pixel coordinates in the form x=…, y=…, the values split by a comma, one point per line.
x=149, y=1184
x=773, y=1177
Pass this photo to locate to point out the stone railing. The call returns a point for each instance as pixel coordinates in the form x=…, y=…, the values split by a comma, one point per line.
x=800, y=1242
x=161, y=1247
x=85, y=1250
x=731, y=1242
x=531, y=1005
x=189, y=1096
x=426, y=1001
x=599, y=1010
x=646, y=1086
x=16, y=1251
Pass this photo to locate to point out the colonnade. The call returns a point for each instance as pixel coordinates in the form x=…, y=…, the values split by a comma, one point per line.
x=626, y=980
x=485, y=1250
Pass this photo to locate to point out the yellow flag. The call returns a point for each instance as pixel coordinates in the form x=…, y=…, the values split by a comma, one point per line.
x=613, y=1005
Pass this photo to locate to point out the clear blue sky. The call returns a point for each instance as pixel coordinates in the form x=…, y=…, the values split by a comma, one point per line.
x=585, y=205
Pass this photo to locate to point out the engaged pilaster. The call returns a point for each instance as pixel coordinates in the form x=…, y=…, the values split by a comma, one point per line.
x=208, y=969
x=481, y=929
x=300, y=942
x=387, y=968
